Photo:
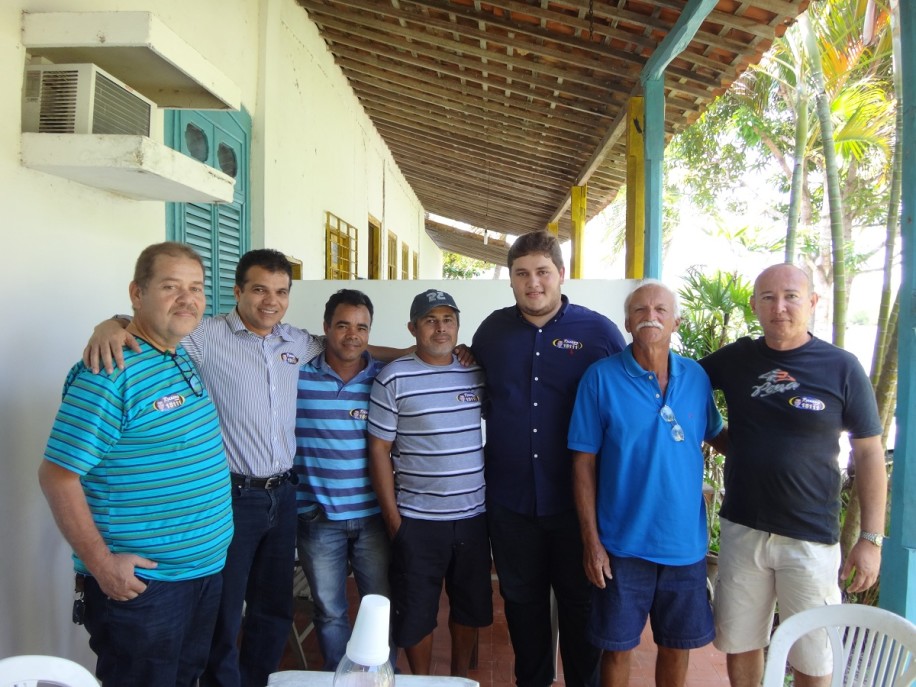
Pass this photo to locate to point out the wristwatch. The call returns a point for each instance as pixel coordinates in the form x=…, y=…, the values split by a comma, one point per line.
x=873, y=537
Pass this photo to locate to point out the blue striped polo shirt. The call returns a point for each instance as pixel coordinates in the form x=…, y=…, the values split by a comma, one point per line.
x=331, y=455
x=146, y=443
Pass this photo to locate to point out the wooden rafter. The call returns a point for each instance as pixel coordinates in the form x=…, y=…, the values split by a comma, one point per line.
x=493, y=110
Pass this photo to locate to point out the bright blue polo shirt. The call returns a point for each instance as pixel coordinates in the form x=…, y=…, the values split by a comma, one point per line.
x=532, y=376
x=650, y=486
x=146, y=443
x=331, y=454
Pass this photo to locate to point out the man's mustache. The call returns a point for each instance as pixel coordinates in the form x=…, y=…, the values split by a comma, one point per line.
x=649, y=323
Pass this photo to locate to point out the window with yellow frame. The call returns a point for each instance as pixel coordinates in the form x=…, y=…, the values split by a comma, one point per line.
x=392, y=256
x=405, y=261
x=416, y=265
x=340, y=248
x=375, y=249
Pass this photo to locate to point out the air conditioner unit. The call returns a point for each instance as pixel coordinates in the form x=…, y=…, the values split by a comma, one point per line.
x=82, y=99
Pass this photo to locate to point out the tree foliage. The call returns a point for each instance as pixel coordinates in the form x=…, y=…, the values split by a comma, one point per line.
x=774, y=126
x=715, y=310
x=456, y=266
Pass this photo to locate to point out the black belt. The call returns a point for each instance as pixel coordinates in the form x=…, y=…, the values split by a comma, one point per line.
x=271, y=482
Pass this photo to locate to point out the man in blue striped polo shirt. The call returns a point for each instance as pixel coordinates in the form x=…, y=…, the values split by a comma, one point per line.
x=136, y=477
x=249, y=360
x=339, y=520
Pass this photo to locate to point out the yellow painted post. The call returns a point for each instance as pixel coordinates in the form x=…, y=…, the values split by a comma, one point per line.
x=554, y=228
x=636, y=190
x=579, y=197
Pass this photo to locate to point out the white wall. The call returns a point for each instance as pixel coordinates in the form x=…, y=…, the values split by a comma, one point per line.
x=64, y=262
x=321, y=152
x=68, y=250
x=475, y=298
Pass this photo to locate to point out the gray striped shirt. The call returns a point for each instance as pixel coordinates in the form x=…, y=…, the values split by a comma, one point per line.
x=431, y=413
x=252, y=381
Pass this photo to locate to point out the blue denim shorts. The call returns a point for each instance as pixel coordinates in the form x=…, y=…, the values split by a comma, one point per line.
x=672, y=596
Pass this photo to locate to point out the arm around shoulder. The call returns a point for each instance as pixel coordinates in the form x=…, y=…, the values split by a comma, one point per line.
x=719, y=442
x=386, y=353
x=105, y=347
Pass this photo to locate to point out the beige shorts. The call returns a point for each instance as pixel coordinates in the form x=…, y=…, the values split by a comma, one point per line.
x=758, y=568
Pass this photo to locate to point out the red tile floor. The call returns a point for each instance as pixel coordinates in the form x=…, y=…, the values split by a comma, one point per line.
x=495, y=657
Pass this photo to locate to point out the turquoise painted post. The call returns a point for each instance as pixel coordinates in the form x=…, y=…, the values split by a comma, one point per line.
x=653, y=90
x=653, y=82
x=898, y=569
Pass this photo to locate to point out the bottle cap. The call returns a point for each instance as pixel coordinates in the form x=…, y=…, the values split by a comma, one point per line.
x=368, y=643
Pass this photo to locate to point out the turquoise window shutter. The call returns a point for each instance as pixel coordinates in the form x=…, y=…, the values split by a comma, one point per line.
x=221, y=233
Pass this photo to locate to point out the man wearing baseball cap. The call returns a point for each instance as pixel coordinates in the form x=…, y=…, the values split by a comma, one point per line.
x=426, y=465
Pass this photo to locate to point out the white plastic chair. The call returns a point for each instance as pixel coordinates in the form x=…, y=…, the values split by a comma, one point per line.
x=297, y=635
x=871, y=647
x=43, y=671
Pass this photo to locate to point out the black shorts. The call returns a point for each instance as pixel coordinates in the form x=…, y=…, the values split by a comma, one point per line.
x=423, y=554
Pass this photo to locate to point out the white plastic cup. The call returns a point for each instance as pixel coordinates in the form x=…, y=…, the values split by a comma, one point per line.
x=368, y=643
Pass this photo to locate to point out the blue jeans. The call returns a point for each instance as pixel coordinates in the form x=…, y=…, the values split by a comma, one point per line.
x=159, y=638
x=325, y=549
x=258, y=575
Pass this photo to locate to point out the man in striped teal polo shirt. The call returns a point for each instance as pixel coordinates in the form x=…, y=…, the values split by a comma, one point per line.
x=136, y=477
x=339, y=518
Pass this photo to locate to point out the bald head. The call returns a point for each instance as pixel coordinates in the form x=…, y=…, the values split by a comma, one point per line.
x=783, y=273
x=783, y=302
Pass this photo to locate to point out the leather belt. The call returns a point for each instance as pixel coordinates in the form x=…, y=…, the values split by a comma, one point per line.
x=271, y=482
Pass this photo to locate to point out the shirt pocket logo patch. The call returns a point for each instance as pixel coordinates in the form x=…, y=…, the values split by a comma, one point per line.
x=807, y=403
x=170, y=402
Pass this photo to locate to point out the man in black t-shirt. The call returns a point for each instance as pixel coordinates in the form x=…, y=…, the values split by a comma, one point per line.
x=789, y=397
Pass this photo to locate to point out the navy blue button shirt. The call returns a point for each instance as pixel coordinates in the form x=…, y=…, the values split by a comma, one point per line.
x=532, y=376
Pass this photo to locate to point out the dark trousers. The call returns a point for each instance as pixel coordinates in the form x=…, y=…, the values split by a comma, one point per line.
x=533, y=554
x=158, y=639
x=258, y=572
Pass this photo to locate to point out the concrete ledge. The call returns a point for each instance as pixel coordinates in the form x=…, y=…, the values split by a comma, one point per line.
x=132, y=166
x=138, y=49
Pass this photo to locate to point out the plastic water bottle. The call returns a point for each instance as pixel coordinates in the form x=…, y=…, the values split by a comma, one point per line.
x=366, y=661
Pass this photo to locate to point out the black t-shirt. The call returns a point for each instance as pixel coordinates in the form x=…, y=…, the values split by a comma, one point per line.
x=786, y=410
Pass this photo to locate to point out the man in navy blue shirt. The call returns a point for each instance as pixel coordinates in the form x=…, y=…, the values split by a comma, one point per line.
x=534, y=353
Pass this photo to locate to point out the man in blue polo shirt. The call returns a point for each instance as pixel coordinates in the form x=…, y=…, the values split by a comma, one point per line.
x=534, y=353
x=636, y=433
x=136, y=477
x=340, y=523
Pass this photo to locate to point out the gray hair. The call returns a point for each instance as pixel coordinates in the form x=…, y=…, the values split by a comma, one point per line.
x=652, y=282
